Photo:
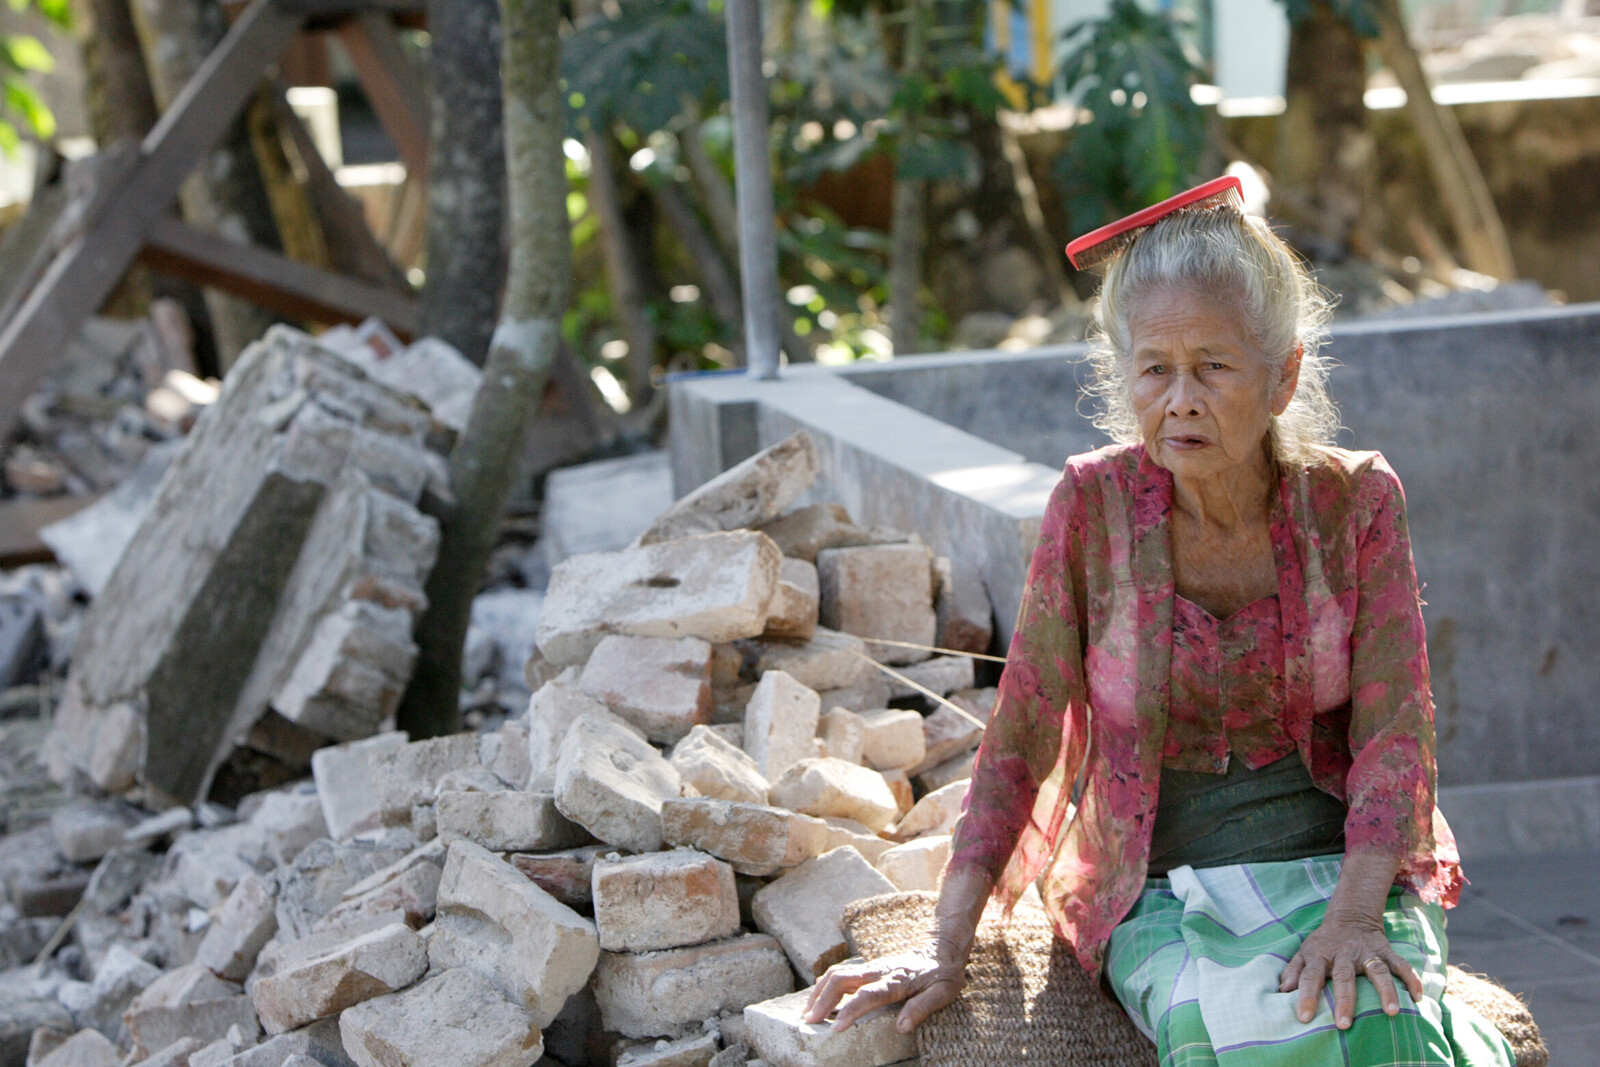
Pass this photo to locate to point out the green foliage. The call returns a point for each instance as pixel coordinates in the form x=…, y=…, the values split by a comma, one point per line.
x=20, y=55
x=645, y=66
x=1362, y=15
x=1147, y=135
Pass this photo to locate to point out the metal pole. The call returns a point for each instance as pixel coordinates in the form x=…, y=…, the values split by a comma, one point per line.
x=758, y=242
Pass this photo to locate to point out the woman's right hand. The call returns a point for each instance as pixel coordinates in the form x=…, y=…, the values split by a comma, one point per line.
x=926, y=978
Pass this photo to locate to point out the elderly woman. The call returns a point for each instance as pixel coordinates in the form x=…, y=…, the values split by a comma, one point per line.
x=1220, y=653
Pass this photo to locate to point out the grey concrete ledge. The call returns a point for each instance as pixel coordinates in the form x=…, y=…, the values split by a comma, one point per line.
x=1524, y=818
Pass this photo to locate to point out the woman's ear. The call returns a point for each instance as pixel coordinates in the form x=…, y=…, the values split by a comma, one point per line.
x=1283, y=392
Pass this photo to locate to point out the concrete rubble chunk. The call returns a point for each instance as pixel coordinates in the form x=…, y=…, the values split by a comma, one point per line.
x=346, y=787
x=804, y=908
x=187, y=1052
x=567, y=875
x=893, y=740
x=245, y=924
x=843, y=733
x=410, y=885
x=41, y=1042
x=87, y=831
x=278, y=955
x=602, y=506
x=955, y=769
x=661, y=685
x=507, y=821
x=824, y=787
x=747, y=494
x=753, y=838
x=319, y=1041
x=961, y=605
x=86, y=1048
x=504, y=753
x=663, y=900
x=882, y=591
x=315, y=883
x=941, y=674
x=783, y=1038
x=827, y=659
x=371, y=965
x=409, y=774
x=715, y=586
x=493, y=920
x=149, y=830
x=869, y=691
x=804, y=532
x=847, y=833
x=288, y=822
x=188, y=1001
x=688, y=1052
x=935, y=814
x=669, y=993
x=457, y=1018
x=22, y=1017
x=899, y=783
x=717, y=768
x=780, y=723
x=916, y=865
x=120, y=977
x=552, y=710
x=351, y=671
x=945, y=734
x=796, y=602
x=613, y=783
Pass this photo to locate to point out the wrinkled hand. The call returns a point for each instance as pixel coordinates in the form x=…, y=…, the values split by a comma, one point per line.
x=1338, y=951
x=926, y=978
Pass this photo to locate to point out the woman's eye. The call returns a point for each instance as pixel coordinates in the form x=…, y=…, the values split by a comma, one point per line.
x=1155, y=368
x=1216, y=366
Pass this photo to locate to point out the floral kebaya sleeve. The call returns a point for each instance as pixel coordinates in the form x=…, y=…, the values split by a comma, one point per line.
x=1034, y=745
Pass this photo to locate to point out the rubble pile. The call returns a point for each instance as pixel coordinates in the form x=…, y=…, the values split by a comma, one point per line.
x=641, y=869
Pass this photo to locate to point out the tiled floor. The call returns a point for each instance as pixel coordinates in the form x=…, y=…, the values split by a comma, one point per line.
x=1533, y=923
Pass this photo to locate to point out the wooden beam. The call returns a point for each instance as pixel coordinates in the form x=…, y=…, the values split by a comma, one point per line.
x=391, y=86
x=328, y=14
x=90, y=265
x=293, y=289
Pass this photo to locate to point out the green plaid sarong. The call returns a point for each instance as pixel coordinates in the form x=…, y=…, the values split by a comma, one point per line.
x=1197, y=960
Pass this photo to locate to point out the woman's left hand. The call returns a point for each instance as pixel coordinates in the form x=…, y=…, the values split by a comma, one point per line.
x=1339, y=950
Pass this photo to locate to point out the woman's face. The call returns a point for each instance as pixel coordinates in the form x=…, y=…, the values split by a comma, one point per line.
x=1203, y=394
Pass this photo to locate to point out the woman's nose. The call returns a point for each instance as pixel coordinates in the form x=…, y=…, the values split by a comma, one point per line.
x=1183, y=401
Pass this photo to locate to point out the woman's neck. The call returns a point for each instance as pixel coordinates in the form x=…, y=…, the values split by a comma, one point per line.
x=1228, y=500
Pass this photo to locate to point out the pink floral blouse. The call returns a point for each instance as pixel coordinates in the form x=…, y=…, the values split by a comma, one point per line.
x=1085, y=694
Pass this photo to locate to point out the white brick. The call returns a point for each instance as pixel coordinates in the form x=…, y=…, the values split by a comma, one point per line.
x=661, y=685
x=289, y=822
x=945, y=735
x=613, y=783
x=746, y=494
x=753, y=838
x=793, y=614
x=188, y=1001
x=843, y=733
x=844, y=833
x=551, y=712
x=869, y=691
x=893, y=739
x=86, y=1048
x=827, y=660
x=716, y=586
x=409, y=774
x=457, y=1018
x=663, y=900
x=824, y=787
x=504, y=753
x=934, y=814
x=881, y=591
x=507, y=821
x=715, y=767
x=87, y=831
x=669, y=993
x=371, y=965
x=567, y=875
x=804, y=908
x=780, y=723
x=345, y=784
x=916, y=865
x=941, y=674
x=953, y=770
x=494, y=921
x=689, y=1052
x=247, y=921
x=410, y=885
x=781, y=1035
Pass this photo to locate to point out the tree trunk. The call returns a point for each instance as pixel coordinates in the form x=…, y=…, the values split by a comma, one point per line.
x=484, y=464
x=907, y=230
x=715, y=278
x=226, y=193
x=623, y=264
x=1456, y=175
x=1325, y=155
x=715, y=191
x=467, y=178
x=120, y=102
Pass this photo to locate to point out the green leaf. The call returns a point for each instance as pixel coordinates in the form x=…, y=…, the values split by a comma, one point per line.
x=27, y=53
x=22, y=99
x=645, y=66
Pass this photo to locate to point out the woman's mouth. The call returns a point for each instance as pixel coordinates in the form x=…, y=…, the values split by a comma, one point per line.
x=1187, y=442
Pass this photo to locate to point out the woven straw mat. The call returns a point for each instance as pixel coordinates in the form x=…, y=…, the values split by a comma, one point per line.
x=1026, y=995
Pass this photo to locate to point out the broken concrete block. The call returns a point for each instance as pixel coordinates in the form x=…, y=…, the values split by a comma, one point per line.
x=916, y=865
x=155, y=828
x=870, y=691
x=882, y=591
x=120, y=977
x=899, y=783
x=843, y=833
x=826, y=660
x=795, y=603
x=351, y=672
x=458, y=1017
x=86, y=1048
x=936, y=813
x=687, y=1052
x=504, y=753
x=315, y=883
x=945, y=734
x=953, y=770
x=371, y=965
x=319, y=1041
x=716, y=586
x=87, y=831
x=288, y=822
x=495, y=921
x=804, y=532
x=661, y=685
x=663, y=900
x=567, y=875
x=780, y=723
x=803, y=909
x=941, y=674
x=189, y=1001
x=507, y=821
x=893, y=739
x=753, y=838
x=117, y=749
x=409, y=774
x=961, y=604
x=747, y=494
x=843, y=733
x=669, y=993
x=22, y=1017
x=716, y=768
x=247, y=921
x=468, y=780
x=552, y=710
x=824, y=787
x=779, y=1032
x=346, y=787
x=410, y=884
x=190, y=1052
x=612, y=783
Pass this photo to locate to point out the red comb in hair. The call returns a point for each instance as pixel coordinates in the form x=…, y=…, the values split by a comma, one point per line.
x=1097, y=246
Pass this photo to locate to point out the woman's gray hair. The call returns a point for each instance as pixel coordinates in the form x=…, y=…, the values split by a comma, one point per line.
x=1238, y=260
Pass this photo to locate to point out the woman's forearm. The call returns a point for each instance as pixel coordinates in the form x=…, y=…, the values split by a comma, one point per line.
x=962, y=897
x=1363, y=890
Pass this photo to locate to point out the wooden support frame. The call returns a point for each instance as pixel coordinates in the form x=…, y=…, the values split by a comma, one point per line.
x=128, y=217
